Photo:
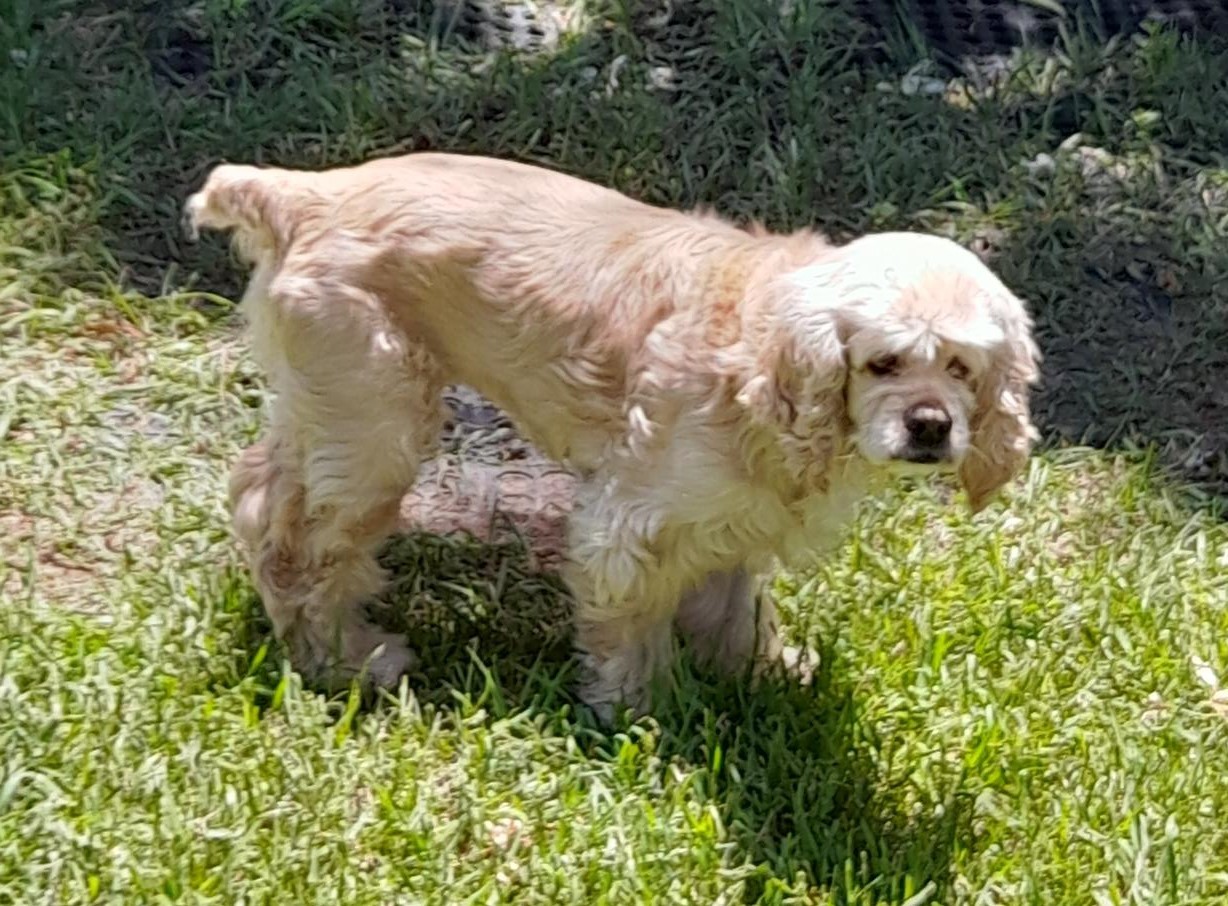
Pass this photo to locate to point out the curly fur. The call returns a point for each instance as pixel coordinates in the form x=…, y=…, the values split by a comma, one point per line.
x=722, y=393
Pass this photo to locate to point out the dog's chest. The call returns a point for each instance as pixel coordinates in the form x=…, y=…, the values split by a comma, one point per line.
x=740, y=523
x=708, y=501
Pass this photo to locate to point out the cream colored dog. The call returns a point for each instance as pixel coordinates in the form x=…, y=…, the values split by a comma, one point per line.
x=726, y=396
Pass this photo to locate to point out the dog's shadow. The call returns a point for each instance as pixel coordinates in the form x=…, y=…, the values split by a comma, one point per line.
x=794, y=770
x=796, y=773
x=482, y=617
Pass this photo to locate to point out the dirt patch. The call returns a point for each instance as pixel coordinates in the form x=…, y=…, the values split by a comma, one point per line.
x=496, y=505
x=492, y=485
x=67, y=565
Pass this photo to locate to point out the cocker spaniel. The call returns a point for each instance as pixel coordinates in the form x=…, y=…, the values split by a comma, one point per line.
x=725, y=395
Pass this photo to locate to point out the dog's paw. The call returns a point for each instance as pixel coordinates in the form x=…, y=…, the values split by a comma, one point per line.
x=792, y=663
x=389, y=660
x=609, y=691
x=363, y=652
x=799, y=664
x=604, y=712
x=189, y=218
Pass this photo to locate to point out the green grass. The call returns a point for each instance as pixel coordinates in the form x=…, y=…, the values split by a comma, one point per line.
x=1010, y=709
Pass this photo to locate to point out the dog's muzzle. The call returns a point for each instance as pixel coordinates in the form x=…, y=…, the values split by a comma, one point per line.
x=929, y=433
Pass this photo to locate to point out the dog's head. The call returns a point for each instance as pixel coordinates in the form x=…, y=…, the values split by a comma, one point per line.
x=904, y=350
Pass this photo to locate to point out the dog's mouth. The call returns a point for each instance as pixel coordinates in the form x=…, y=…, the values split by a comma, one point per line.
x=932, y=457
x=925, y=457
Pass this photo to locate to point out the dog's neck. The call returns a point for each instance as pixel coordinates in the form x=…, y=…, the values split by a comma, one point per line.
x=758, y=274
x=769, y=464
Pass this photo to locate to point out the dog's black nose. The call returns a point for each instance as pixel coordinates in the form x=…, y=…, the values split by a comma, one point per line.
x=928, y=425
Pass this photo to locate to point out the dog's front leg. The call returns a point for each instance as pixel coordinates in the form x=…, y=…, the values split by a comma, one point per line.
x=626, y=595
x=731, y=623
x=729, y=620
x=622, y=656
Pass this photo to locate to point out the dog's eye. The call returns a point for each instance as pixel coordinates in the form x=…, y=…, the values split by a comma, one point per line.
x=883, y=365
x=957, y=369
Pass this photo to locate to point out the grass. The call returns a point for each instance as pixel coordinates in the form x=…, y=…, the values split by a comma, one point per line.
x=1021, y=707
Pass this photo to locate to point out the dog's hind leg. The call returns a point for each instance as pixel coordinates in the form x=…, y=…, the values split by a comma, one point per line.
x=356, y=409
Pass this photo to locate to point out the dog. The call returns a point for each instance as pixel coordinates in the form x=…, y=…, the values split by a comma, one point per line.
x=725, y=395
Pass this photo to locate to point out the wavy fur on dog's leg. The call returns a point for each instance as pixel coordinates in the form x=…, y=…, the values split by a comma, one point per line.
x=625, y=601
x=313, y=572
x=621, y=660
x=315, y=499
x=718, y=620
x=625, y=646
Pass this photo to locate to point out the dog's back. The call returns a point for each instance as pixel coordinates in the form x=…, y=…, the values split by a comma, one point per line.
x=536, y=288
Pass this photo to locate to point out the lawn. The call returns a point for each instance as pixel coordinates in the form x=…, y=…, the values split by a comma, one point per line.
x=1019, y=707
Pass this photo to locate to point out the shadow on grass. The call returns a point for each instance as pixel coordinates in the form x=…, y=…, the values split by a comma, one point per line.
x=792, y=770
x=482, y=618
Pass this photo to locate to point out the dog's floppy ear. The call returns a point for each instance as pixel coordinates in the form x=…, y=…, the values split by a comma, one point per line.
x=798, y=385
x=1002, y=431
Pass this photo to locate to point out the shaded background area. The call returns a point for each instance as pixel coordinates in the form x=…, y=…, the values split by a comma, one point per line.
x=1089, y=170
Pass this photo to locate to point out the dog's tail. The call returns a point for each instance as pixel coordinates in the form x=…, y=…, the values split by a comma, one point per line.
x=251, y=203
